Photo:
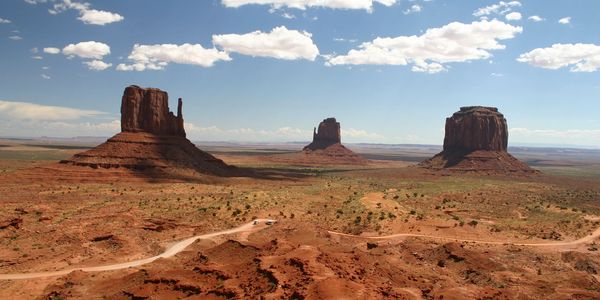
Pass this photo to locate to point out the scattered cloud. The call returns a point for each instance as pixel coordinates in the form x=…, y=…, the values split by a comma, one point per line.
x=51, y=50
x=513, y=16
x=415, y=8
x=45, y=76
x=91, y=49
x=501, y=8
x=345, y=40
x=32, y=111
x=86, y=14
x=288, y=16
x=582, y=57
x=536, y=18
x=4, y=21
x=285, y=134
x=568, y=136
x=497, y=75
x=565, y=20
x=35, y=1
x=37, y=57
x=304, y=4
x=34, y=50
x=15, y=37
x=97, y=65
x=455, y=42
x=157, y=57
x=280, y=43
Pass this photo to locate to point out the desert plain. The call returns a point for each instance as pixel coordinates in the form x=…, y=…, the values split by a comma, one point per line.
x=384, y=229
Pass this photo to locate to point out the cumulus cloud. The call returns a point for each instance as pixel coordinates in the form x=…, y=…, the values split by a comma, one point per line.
x=582, y=57
x=413, y=9
x=513, y=16
x=500, y=8
x=86, y=14
x=97, y=65
x=565, y=20
x=280, y=43
x=214, y=133
x=567, y=136
x=35, y=1
x=4, y=21
x=91, y=49
x=32, y=111
x=455, y=42
x=536, y=18
x=304, y=4
x=51, y=50
x=157, y=57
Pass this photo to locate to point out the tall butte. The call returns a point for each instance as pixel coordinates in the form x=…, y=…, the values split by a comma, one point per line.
x=476, y=140
x=326, y=146
x=151, y=139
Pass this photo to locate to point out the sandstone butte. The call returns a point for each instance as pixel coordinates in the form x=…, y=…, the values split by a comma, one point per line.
x=476, y=140
x=326, y=146
x=151, y=139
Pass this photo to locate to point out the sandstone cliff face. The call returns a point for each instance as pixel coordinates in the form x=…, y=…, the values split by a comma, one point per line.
x=476, y=140
x=147, y=110
x=327, y=135
x=476, y=128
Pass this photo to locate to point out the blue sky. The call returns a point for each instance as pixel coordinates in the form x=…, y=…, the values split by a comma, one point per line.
x=390, y=71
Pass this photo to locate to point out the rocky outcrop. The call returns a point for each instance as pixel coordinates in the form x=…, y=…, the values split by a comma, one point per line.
x=147, y=110
x=476, y=140
x=152, y=140
x=476, y=128
x=327, y=135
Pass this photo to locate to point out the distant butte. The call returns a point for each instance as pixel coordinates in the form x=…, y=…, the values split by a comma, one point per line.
x=327, y=148
x=152, y=140
x=476, y=139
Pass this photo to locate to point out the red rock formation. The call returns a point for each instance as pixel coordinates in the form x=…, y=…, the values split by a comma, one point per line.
x=147, y=110
x=476, y=128
x=326, y=148
x=476, y=139
x=151, y=138
x=328, y=134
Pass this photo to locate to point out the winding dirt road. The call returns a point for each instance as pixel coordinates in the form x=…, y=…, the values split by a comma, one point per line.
x=169, y=252
x=589, y=238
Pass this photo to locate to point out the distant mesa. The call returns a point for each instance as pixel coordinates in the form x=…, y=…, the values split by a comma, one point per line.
x=152, y=138
x=476, y=139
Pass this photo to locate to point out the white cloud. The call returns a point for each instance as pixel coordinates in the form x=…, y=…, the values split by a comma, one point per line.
x=280, y=43
x=99, y=17
x=513, y=16
x=35, y=1
x=500, y=9
x=97, y=65
x=413, y=9
x=91, y=49
x=4, y=21
x=34, y=50
x=32, y=111
x=568, y=136
x=214, y=133
x=37, y=57
x=455, y=42
x=33, y=128
x=45, y=76
x=51, y=50
x=583, y=57
x=288, y=16
x=86, y=14
x=15, y=37
x=565, y=20
x=304, y=4
x=536, y=18
x=157, y=57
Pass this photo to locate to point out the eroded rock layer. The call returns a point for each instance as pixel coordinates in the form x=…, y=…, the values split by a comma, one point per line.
x=327, y=135
x=151, y=138
x=476, y=140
